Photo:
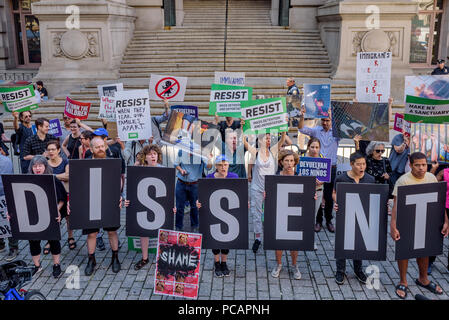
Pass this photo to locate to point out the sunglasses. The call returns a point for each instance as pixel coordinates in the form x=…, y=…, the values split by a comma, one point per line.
x=380, y=151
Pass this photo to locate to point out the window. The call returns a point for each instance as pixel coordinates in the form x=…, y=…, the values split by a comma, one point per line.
x=425, y=33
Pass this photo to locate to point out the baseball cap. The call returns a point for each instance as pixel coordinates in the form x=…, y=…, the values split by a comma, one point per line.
x=221, y=158
x=440, y=60
x=101, y=132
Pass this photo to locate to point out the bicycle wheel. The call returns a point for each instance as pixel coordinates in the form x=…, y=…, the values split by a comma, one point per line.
x=34, y=295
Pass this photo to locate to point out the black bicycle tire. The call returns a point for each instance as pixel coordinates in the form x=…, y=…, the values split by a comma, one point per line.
x=34, y=293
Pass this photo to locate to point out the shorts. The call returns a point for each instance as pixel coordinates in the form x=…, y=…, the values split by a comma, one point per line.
x=90, y=231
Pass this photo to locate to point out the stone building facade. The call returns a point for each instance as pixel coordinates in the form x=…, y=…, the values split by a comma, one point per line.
x=42, y=39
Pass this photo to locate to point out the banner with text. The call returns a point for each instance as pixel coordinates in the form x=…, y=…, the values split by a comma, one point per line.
x=109, y=90
x=107, y=108
x=178, y=264
x=315, y=167
x=19, y=98
x=187, y=110
x=265, y=115
x=426, y=110
x=75, y=109
x=55, y=128
x=230, y=78
x=373, y=76
x=225, y=100
x=132, y=110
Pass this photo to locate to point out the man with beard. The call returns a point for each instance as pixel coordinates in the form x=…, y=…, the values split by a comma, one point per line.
x=98, y=148
x=23, y=131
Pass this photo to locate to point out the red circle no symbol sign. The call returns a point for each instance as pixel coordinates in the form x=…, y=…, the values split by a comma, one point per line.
x=167, y=88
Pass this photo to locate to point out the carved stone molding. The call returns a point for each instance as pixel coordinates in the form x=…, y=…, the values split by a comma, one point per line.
x=75, y=45
x=375, y=40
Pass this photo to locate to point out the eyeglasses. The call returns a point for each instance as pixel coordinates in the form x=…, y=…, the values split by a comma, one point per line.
x=380, y=151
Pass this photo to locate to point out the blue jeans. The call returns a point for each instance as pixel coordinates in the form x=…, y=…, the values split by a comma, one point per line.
x=185, y=193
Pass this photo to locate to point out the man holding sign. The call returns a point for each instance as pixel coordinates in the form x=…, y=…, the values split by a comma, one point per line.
x=418, y=175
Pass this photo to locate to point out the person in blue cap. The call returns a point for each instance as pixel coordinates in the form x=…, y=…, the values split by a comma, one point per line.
x=221, y=172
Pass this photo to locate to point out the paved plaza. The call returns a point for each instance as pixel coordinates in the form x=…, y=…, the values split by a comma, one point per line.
x=250, y=277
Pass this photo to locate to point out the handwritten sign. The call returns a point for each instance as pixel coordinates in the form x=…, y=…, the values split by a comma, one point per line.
x=133, y=116
x=373, y=76
x=107, y=108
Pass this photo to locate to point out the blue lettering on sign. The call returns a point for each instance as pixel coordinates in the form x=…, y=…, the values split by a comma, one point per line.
x=234, y=81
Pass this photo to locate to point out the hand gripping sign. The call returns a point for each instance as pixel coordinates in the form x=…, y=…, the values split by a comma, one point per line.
x=167, y=87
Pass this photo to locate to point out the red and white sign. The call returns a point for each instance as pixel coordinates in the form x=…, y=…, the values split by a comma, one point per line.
x=76, y=109
x=107, y=109
x=401, y=125
x=178, y=264
x=373, y=77
x=167, y=87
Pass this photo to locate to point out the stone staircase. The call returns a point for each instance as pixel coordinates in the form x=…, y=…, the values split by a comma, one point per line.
x=267, y=54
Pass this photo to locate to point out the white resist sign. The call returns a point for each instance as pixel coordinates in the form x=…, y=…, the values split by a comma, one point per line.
x=373, y=76
x=132, y=109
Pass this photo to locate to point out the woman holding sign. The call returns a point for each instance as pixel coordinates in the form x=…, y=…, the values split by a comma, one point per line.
x=263, y=162
x=150, y=156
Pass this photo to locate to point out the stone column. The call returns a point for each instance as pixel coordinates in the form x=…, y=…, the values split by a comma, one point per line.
x=6, y=37
x=274, y=12
x=302, y=15
x=150, y=14
x=345, y=31
x=73, y=57
x=179, y=5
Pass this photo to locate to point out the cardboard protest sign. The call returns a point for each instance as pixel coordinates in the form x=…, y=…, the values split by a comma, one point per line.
x=151, y=192
x=265, y=115
x=107, y=109
x=55, y=128
x=188, y=110
x=224, y=213
x=19, y=98
x=94, y=193
x=76, y=109
x=5, y=227
x=178, y=264
x=432, y=140
x=369, y=120
x=373, y=76
x=112, y=130
x=319, y=168
x=133, y=115
x=420, y=218
x=426, y=86
x=167, y=87
x=361, y=221
x=225, y=100
x=230, y=78
x=289, y=214
x=317, y=100
x=109, y=90
x=401, y=125
x=32, y=205
x=190, y=135
x=426, y=110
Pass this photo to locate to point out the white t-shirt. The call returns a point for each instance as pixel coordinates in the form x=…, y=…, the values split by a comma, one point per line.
x=260, y=170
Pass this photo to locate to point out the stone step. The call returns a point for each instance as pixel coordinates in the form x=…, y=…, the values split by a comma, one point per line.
x=219, y=60
x=244, y=65
x=311, y=75
x=242, y=51
x=218, y=43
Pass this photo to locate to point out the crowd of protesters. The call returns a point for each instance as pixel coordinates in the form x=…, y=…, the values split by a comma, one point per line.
x=42, y=153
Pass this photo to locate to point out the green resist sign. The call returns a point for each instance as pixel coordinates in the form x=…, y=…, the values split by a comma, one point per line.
x=265, y=115
x=134, y=244
x=225, y=100
x=19, y=98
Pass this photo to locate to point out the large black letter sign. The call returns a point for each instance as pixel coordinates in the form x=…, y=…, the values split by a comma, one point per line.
x=361, y=229
x=32, y=206
x=420, y=218
x=289, y=214
x=151, y=193
x=94, y=193
x=224, y=213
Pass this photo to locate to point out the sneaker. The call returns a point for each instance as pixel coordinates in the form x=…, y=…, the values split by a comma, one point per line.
x=56, y=270
x=218, y=271
x=100, y=244
x=12, y=254
x=361, y=276
x=340, y=278
x=224, y=269
x=256, y=245
x=276, y=271
x=296, y=273
x=37, y=270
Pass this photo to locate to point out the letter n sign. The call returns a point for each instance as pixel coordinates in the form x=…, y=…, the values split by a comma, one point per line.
x=32, y=206
x=420, y=218
x=361, y=227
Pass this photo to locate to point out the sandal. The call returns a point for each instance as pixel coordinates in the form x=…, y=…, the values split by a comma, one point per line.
x=72, y=245
x=432, y=287
x=139, y=265
x=47, y=249
x=401, y=287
